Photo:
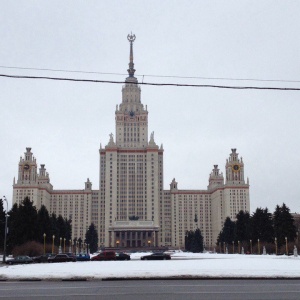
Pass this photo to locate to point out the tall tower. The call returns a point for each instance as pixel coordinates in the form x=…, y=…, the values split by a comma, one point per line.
x=30, y=183
x=131, y=116
x=236, y=190
x=131, y=173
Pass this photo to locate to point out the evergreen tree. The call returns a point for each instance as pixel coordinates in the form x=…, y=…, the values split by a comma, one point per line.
x=198, y=242
x=22, y=224
x=283, y=224
x=91, y=238
x=64, y=228
x=262, y=226
x=68, y=225
x=243, y=226
x=60, y=224
x=14, y=224
x=228, y=232
x=28, y=216
x=194, y=241
x=44, y=224
x=54, y=229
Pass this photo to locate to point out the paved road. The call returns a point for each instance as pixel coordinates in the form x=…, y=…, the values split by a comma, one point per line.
x=157, y=290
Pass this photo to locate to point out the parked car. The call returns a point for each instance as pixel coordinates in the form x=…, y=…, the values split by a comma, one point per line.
x=42, y=258
x=22, y=259
x=83, y=257
x=156, y=256
x=105, y=255
x=70, y=254
x=61, y=258
x=122, y=256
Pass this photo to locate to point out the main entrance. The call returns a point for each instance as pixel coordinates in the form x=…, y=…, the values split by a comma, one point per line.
x=133, y=234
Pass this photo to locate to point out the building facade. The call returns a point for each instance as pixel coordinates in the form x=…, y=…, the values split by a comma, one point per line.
x=131, y=207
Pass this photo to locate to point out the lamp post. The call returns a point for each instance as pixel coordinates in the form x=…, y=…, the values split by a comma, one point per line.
x=64, y=245
x=286, y=246
x=117, y=244
x=258, y=246
x=224, y=247
x=5, y=233
x=149, y=243
x=53, y=237
x=70, y=246
x=276, y=245
x=59, y=249
x=251, y=246
x=232, y=247
x=239, y=247
x=44, y=235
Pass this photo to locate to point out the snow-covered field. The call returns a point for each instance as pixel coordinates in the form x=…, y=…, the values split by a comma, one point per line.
x=181, y=265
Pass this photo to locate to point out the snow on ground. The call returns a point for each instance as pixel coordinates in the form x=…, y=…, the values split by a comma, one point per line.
x=182, y=264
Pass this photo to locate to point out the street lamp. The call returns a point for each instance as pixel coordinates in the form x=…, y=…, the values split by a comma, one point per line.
x=149, y=242
x=70, y=246
x=239, y=247
x=53, y=237
x=5, y=233
x=286, y=246
x=59, y=249
x=232, y=247
x=224, y=246
x=64, y=245
x=117, y=244
x=251, y=246
x=258, y=246
x=44, y=235
x=276, y=245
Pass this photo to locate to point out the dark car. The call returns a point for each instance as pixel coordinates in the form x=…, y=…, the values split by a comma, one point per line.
x=61, y=258
x=122, y=256
x=22, y=259
x=156, y=256
x=83, y=257
x=70, y=254
x=42, y=258
x=105, y=255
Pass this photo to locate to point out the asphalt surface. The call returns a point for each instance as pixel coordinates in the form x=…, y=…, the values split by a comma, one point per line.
x=153, y=289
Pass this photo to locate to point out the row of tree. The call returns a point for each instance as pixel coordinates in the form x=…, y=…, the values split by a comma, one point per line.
x=261, y=225
x=26, y=223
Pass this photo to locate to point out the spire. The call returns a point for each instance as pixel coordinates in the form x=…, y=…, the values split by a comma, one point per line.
x=131, y=70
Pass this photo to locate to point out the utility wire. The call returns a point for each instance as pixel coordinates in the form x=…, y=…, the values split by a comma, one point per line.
x=157, y=76
x=153, y=84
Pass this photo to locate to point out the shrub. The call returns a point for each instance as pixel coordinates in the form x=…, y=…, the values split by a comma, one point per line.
x=32, y=248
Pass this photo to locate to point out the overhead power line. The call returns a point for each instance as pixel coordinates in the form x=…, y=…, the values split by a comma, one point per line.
x=155, y=76
x=153, y=84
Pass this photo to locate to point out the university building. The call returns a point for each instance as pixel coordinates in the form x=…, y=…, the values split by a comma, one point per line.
x=131, y=207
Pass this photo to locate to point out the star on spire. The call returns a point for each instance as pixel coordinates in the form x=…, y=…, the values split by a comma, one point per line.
x=131, y=70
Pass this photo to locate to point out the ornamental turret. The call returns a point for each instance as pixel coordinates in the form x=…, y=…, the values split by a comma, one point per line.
x=234, y=169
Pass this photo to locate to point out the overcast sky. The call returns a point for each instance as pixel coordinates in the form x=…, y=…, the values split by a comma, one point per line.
x=65, y=122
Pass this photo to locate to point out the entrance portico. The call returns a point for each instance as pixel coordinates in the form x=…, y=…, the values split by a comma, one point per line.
x=133, y=234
